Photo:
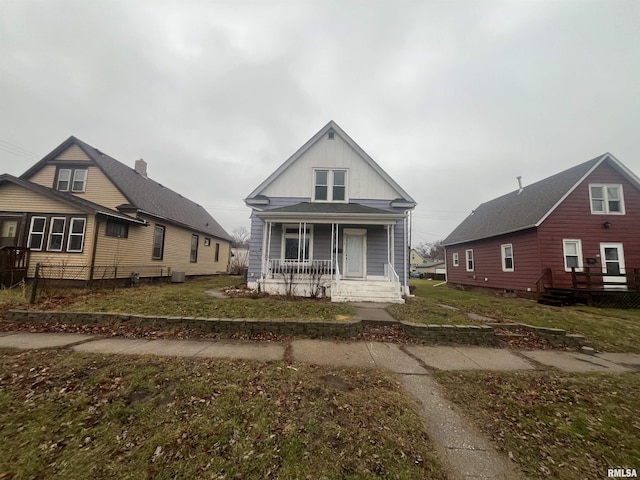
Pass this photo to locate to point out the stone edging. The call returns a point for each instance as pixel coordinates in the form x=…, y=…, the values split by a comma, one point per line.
x=464, y=334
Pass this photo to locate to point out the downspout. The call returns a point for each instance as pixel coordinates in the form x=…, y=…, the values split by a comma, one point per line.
x=405, y=248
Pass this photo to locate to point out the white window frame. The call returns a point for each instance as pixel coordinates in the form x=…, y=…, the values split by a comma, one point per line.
x=76, y=179
x=68, y=173
x=72, y=222
x=455, y=259
x=297, y=236
x=32, y=232
x=504, y=248
x=53, y=234
x=578, y=243
x=71, y=176
x=330, y=185
x=605, y=198
x=468, y=256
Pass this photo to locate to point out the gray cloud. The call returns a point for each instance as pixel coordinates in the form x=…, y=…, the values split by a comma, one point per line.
x=454, y=99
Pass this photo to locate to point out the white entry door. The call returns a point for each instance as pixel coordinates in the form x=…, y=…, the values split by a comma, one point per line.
x=612, y=258
x=355, y=246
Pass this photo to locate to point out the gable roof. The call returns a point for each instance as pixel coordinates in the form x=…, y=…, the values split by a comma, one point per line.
x=331, y=126
x=142, y=193
x=530, y=206
x=68, y=198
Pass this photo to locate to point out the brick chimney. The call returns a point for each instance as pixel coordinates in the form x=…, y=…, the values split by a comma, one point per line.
x=141, y=167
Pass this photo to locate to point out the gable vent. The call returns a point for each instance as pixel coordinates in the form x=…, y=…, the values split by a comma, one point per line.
x=331, y=135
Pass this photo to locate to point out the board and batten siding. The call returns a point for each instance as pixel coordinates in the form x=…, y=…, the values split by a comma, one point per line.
x=487, y=258
x=99, y=188
x=363, y=181
x=573, y=220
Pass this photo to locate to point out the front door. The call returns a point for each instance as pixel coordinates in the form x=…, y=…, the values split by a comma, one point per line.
x=612, y=258
x=355, y=245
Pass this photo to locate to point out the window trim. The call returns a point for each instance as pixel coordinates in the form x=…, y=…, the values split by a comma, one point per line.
x=71, y=234
x=193, y=255
x=330, y=185
x=455, y=259
x=605, y=199
x=296, y=236
x=469, y=260
x=68, y=180
x=112, y=234
x=51, y=233
x=72, y=179
x=31, y=232
x=580, y=259
x=161, y=246
x=504, y=256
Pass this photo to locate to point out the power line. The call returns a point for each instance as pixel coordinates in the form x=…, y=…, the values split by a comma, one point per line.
x=16, y=147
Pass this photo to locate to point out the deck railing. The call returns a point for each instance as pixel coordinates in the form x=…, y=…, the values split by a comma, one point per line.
x=590, y=279
x=14, y=263
x=299, y=269
x=392, y=276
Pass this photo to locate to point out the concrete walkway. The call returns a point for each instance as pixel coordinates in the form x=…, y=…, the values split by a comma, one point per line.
x=463, y=450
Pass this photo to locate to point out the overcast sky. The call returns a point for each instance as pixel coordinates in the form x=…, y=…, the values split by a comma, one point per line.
x=454, y=99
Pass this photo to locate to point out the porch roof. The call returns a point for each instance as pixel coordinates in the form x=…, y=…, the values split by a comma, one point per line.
x=326, y=212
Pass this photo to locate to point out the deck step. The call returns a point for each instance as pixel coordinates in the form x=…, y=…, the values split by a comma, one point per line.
x=365, y=291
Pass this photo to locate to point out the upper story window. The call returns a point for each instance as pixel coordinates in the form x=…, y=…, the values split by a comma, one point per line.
x=330, y=185
x=606, y=199
x=71, y=179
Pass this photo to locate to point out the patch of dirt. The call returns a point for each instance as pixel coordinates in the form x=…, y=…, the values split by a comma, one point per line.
x=336, y=382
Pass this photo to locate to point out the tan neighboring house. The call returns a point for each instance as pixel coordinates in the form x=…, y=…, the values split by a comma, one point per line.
x=93, y=217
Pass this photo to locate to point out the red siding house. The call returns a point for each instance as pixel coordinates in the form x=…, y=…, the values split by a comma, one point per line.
x=577, y=230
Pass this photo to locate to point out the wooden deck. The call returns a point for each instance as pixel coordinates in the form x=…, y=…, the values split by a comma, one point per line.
x=14, y=263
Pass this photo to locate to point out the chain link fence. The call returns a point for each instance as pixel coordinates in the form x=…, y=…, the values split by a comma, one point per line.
x=51, y=280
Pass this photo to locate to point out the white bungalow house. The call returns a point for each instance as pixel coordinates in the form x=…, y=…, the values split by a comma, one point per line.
x=330, y=222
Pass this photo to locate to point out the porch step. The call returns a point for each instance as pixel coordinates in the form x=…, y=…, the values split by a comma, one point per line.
x=557, y=297
x=369, y=291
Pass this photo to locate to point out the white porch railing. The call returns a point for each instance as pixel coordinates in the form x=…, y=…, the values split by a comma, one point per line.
x=392, y=276
x=298, y=269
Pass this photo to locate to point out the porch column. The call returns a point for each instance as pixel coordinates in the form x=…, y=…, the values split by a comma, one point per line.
x=264, y=248
x=268, y=252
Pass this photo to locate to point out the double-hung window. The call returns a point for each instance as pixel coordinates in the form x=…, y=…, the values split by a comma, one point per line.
x=216, y=255
x=297, y=243
x=36, y=233
x=330, y=185
x=455, y=259
x=76, y=234
x=606, y=198
x=56, y=234
x=469, y=259
x=572, y=251
x=71, y=179
x=507, y=258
